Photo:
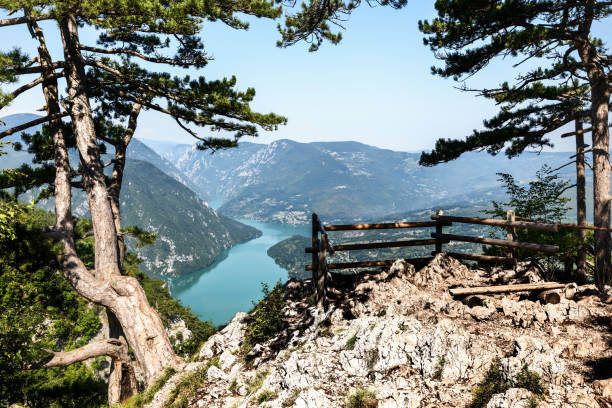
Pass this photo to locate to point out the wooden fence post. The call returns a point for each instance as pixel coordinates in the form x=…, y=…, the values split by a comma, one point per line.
x=511, y=217
x=439, y=231
x=322, y=278
x=315, y=253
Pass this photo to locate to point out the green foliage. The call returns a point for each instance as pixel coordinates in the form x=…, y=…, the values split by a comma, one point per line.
x=467, y=36
x=373, y=357
x=39, y=309
x=361, y=398
x=350, y=343
x=437, y=374
x=266, y=319
x=541, y=199
x=313, y=22
x=531, y=381
x=494, y=383
x=265, y=395
x=186, y=388
x=255, y=383
x=140, y=400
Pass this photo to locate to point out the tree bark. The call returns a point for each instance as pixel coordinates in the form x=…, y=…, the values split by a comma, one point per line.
x=122, y=381
x=600, y=98
x=114, y=188
x=125, y=298
x=580, y=199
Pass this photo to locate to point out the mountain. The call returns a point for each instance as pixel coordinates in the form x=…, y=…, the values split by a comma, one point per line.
x=285, y=181
x=191, y=235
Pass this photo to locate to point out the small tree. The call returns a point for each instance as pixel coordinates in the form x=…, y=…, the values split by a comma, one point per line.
x=541, y=199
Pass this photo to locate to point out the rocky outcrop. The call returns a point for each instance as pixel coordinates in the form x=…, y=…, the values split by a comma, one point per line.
x=402, y=336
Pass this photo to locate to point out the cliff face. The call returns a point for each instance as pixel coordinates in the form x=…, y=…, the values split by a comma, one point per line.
x=398, y=339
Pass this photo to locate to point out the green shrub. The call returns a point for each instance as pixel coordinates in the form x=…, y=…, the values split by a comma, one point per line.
x=266, y=319
x=531, y=381
x=350, y=344
x=361, y=398
x=265, y=395
x=373, y=358
x=186, y=388
x=494, y=383
x=437, y=374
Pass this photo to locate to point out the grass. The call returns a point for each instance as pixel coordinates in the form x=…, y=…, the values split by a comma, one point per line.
x=140, y=400
x=350, y=343
x=234, y=387
x=361, y=398
x=265, y=395
x=290, y=401
x=373, y=358
x=494, y=383
x=254, y=384
x=437, y=374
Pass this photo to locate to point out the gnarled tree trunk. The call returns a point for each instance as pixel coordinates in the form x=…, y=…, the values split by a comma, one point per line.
x=122, y=381
x=123, y=295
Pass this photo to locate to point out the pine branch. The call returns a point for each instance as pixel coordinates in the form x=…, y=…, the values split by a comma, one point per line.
x=32, y=123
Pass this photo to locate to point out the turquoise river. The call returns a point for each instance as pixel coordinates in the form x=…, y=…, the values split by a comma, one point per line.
x=233, y=282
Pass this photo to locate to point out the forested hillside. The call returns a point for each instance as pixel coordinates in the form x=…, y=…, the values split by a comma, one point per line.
x=285, y=181
x=190, y=234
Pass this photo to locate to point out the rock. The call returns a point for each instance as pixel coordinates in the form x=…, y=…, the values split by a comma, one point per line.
x=481, y=312
x=538, y=356
x=570, y=291
x=214, y=373
x=513, y=398
x=604, y=388
x=228, y=339
x=312, y=398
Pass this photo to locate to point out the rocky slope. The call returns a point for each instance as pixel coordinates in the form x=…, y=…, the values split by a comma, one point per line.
x=398, y=339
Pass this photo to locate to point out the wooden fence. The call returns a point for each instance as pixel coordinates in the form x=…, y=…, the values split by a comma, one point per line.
x=322, y=247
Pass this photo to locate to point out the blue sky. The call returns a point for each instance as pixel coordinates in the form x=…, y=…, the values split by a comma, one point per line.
x=374, y=87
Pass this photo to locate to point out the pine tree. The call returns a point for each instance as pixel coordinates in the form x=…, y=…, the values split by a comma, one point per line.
x=108, y=86
x=468, y=35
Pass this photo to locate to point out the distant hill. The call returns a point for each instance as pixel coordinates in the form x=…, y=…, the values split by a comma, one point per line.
x=285, y=181
x=191, y=235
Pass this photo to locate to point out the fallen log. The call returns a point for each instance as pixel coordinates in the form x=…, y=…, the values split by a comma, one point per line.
x=482, y=258
x=485, y=290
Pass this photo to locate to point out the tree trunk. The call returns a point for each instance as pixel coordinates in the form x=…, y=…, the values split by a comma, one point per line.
x=114, y=188
x=580, y=200
x=600, y=97
x=122, y=381
x=123, y=295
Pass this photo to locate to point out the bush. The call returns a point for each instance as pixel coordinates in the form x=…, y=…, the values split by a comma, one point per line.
x=361, y=398
x=494, y=383
x=540, y=200
x=266, y=319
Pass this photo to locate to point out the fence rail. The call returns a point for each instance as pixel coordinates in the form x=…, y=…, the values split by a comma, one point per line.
x=322, y=246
